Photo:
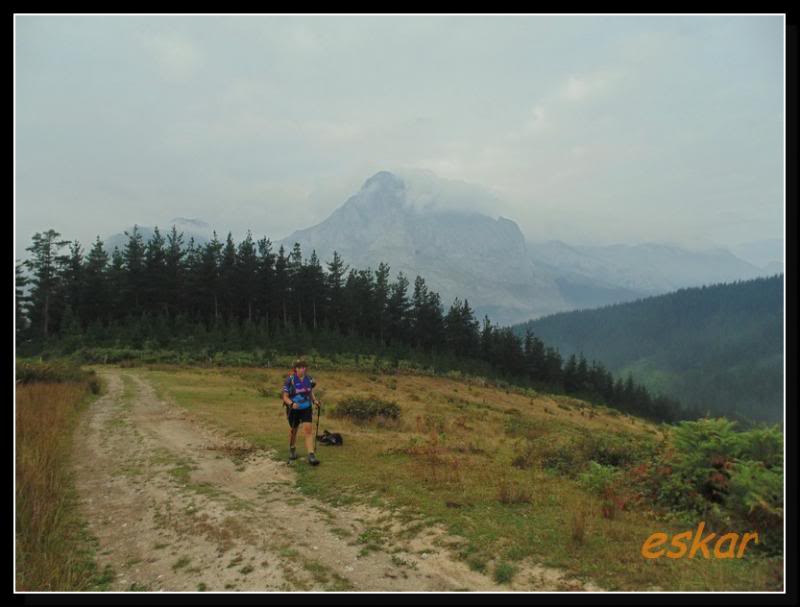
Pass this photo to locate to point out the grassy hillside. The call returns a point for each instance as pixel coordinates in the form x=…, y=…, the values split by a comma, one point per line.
x=510, y=472
x=717, y=348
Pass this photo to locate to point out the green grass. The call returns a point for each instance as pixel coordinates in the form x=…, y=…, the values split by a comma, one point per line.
x=504, y=573
x=424, y=465
x=129, y=390
x=328, y=578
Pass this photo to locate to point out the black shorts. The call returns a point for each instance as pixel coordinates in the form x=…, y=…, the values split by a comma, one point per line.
x=296, y=416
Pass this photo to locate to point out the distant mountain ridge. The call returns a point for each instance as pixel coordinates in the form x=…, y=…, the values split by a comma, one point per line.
x=646, y=269
x=718, y=347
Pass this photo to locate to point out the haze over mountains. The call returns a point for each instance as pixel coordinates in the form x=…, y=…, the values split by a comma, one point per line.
x=199, y=230
x=420, y=224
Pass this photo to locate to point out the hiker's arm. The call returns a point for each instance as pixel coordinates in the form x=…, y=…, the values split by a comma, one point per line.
x=286, y=400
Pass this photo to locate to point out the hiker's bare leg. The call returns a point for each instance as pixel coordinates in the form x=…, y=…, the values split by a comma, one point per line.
x=307, y=428
x=292, y=436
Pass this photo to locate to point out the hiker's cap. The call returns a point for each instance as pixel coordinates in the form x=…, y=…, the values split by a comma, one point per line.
x=300, y=362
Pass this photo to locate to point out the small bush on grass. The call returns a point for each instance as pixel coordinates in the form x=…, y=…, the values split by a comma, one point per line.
x=51, y=371
x=504, y=573
x=366, y=409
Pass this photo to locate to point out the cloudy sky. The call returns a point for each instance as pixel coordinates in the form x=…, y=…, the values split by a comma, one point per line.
x=593, y=129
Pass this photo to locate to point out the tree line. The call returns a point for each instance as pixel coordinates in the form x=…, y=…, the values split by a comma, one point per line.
x=170, y=290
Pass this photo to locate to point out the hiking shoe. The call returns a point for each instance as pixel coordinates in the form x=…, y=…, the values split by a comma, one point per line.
x=292, y=454
x=312, y=459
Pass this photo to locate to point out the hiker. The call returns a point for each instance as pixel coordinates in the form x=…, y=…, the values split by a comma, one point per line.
x=298, y=398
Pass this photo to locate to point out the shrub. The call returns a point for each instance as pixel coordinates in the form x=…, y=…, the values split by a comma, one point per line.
x=706, y=468
x=563, y=459
x=763, y=445
x=572, y=458
x=29, y=371
x=599, y=479
x=366, y=409
x=611, y=450
x=504, y=572
x=756, y=496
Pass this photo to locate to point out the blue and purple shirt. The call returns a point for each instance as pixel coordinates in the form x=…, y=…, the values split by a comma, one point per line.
x=302, y=390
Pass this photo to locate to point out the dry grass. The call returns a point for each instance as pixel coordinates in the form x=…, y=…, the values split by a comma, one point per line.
x=51, y=546
x=578, y=529
x=510, y=492
x=432, y=465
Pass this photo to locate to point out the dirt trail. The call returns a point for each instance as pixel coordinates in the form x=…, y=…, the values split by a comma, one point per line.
x=178, y=506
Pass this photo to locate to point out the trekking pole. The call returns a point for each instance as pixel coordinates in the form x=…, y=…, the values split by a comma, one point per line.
x=319, y=412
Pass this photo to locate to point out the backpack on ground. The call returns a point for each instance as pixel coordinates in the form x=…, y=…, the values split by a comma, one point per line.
x=330, y=438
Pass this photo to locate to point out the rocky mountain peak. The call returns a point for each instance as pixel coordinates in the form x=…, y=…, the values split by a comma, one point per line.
x=383, y=180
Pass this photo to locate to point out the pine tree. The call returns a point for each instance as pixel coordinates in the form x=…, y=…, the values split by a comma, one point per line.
x=295, y=277
x=74, y=279
x=470, y=345
x=266, y=279
x=155, y=264
x=135, y=274
x=535, y=357
x=461, y=329
x=316, y=286
x=282, y=286
x=452, y=326
x=629, y=394
x=381, y=299
x=247, y=275
x=571, y=375
x=554, y=374
x=117, y=285
x=46, y=267
x=205, y=280
x=190, y=288
x=228, y=276
x=366, y=320
x=398, y=310
x=20, y=301
x=582, y=383
x=426, y=314
x=486, y=339
x=336, y=276
x=175, y=271
x=96, y=303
